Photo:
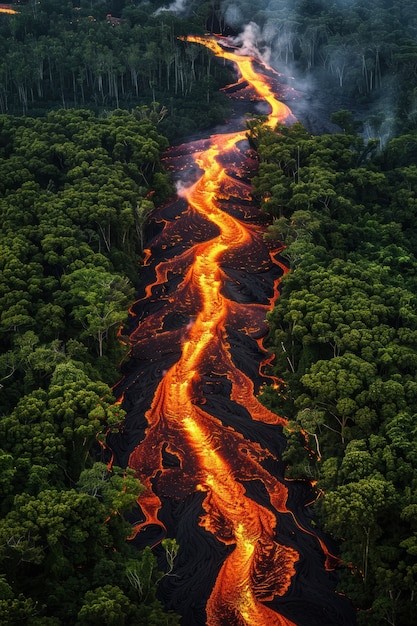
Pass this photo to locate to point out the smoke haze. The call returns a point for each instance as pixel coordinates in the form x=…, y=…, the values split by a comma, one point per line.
x=178, y=7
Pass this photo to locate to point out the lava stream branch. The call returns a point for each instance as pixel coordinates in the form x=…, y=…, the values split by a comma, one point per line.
x=246, y=521
x=279, y=111
x=195, y=433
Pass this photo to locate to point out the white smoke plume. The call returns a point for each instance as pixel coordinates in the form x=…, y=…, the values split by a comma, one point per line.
x=248, y=39
x=178, y=7
x=181, y=187
x=275, y=40
x=233, y=16
x=251, y=42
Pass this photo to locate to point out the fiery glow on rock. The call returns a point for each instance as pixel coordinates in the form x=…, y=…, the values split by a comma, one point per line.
x=198, y=316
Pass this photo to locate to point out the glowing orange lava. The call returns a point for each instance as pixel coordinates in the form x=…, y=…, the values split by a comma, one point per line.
x=8, y=10
x=279, y=111
x=213, y=457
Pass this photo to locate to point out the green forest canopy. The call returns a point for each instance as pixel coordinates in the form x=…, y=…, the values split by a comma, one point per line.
x=344, y=332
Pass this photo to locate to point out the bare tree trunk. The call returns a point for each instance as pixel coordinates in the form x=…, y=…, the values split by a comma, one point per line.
x=134, y=77
x=74, y=88
x=40, y=79
x=23, y=97
x=115, y=89
x=100, y=338
x=367, y=532
x=105, y=236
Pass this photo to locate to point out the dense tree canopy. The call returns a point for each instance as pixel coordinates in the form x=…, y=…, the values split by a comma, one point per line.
x=70, y=246
x=344, y=335
x=106, y=55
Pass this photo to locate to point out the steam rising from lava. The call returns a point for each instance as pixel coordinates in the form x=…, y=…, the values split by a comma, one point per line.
x=207, y=452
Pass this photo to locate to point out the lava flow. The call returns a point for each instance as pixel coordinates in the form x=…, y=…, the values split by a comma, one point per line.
x=6, y=8
x=206, y=450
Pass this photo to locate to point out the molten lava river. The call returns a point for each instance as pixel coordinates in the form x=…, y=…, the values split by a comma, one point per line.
x=206, y=450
